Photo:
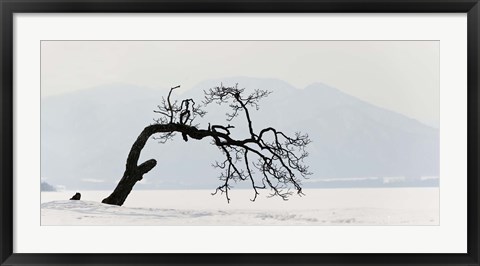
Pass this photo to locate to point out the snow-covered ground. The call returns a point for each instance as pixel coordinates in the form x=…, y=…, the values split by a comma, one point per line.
x=376, y=206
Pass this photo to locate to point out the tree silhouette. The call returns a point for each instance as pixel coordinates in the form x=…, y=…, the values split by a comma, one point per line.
x=274, y=156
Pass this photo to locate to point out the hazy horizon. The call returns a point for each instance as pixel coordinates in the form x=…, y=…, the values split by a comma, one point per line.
x=371, y=108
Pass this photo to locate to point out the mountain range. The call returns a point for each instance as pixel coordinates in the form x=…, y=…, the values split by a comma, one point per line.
x=86, y=136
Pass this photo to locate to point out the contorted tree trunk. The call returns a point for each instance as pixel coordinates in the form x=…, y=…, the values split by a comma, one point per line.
x=134, y=172
x=278, y=156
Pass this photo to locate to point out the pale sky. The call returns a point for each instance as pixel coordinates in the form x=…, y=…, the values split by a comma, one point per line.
x=402, y=76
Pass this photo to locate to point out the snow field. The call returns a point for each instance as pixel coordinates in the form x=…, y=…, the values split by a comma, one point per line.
x=376, y=206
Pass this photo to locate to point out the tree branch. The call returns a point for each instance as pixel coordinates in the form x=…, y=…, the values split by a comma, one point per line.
x=278, y=161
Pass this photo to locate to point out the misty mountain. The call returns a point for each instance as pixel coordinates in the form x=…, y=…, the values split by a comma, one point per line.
x=46, y=187
x=86, y=136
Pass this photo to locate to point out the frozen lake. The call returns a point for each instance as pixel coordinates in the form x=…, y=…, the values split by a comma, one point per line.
x=364, y=206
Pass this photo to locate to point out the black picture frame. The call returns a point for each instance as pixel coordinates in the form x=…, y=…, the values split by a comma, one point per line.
x=10, y=7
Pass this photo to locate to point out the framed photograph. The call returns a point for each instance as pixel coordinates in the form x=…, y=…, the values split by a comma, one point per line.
x=239, y=133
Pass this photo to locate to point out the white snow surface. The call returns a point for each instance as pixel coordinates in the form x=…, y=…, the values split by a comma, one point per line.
x=375, y=206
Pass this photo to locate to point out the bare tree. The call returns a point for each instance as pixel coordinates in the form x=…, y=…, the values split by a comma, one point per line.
x=268, y=159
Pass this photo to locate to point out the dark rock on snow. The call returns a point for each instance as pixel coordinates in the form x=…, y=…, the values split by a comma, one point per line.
x=76, y=196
